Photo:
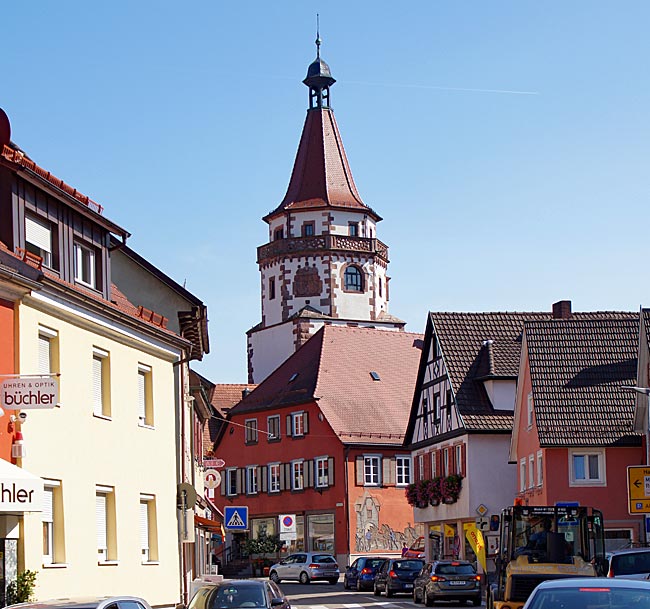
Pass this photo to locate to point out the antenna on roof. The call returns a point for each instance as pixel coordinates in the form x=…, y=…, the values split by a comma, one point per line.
x=318, y=40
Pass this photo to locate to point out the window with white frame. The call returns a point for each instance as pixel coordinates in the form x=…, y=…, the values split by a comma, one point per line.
x=273, y=427
x=105, y=520
x=145, y=399
x=531, y=471
x=148, y=534
x=251, y=480
x=297, y=424
x=231, y=481
x=101, y=385
x=402, y=470
x=297, y=475
x=38, y=239
x=274, y=478
x=420, y=467
x=587, y=467
x=84, y=265
x=322, y=471
x=540, y=471
x=251, y=431
x=530, y=410
x=522, y=474
x=434, y=464
x=48, y=341
x=371, y=469
x=445, y=462
x=52, y=539
x=458, y=458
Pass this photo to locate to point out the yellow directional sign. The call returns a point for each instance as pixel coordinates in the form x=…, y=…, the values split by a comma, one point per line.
x=638, y=489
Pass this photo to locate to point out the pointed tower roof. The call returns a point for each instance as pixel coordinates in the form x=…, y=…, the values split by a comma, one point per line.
x=321, y=174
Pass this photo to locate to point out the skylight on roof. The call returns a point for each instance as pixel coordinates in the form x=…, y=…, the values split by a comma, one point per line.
x=293, y=377
x=375, y=376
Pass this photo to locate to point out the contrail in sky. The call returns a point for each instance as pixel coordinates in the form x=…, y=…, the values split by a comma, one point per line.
x=407, y=86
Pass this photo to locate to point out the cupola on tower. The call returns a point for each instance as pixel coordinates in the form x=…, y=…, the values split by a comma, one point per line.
x=324, y=263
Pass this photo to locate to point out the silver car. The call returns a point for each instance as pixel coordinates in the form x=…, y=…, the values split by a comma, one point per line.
x=305, y=567
x=633, y=563
x=101, y=602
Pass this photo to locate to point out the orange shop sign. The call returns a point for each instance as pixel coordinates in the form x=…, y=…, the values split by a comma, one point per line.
x=24, y=393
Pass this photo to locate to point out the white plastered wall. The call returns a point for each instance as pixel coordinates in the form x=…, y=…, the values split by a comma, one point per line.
x=270, y=348
x=69, y=444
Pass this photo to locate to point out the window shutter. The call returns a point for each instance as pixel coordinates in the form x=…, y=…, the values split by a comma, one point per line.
x=305, y=422
x=385, y=473
x=44, y=364
x=281, y=476
x=38, y=234
x=288, y=475
x=309, y=473
x=142, y=405
x=144, y=525
x=439, y=462
x=427, y=467
x=222, y=486
x=48, y=504
x=239, y=481
x=100, y=515
x=330, y=471
x=392, y=473
x=289, y=429
x=463, y=462
x=360, y=472
x=97, y=386
x=258, y=480
x=452, y=459
x=264, y=478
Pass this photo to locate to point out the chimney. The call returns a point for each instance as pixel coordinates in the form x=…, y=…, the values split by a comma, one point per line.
x=562, y=309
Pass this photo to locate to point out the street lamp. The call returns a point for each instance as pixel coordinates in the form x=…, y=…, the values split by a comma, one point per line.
x=641, y=421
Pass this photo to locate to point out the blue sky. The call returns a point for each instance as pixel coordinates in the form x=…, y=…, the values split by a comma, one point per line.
x=505, y=143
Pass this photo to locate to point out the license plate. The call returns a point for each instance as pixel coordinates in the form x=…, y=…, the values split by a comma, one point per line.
x=408, y=585
x=457, y=583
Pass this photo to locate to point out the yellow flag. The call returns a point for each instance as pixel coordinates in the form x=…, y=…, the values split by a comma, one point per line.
x=449, y=531
x=475, y=538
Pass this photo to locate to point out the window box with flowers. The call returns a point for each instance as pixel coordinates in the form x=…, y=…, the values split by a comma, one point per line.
x=433, y=492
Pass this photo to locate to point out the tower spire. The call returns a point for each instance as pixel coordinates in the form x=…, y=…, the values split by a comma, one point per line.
x=319, y=78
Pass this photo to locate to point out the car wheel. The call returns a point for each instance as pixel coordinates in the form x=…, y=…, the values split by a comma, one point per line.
x=274, y=577
x=346, y=586
x=304, y=578
x=416, y=600
x=388, y=592
x=375, y=590
x=428, y=600
x=476, y=601
x=359, y=586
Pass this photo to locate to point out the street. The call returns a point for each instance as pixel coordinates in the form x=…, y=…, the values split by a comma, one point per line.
x=323, y=596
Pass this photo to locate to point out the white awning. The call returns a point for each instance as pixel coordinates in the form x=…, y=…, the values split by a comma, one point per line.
x=20, y=490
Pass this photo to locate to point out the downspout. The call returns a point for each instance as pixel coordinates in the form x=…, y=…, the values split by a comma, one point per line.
x=347, y=504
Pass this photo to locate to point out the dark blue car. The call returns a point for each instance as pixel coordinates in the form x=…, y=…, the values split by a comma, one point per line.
x=360, y=575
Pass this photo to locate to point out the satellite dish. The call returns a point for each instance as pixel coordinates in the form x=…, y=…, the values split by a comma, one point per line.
x=5, y=128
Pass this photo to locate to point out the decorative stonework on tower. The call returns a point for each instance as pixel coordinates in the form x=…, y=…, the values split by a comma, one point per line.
x=323, y=263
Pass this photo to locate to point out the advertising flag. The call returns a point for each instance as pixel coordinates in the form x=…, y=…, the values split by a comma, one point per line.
x=475, y=538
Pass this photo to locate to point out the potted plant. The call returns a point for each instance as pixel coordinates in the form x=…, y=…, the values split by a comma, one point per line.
x=450, y=487
x=260, y=547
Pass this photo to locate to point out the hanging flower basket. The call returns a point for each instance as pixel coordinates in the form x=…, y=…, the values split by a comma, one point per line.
x=435, y=491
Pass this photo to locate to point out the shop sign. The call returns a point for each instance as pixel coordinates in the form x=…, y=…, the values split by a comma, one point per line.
x=36, y=393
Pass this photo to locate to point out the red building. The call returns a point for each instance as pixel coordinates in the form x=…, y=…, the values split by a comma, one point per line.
x=573, y=432
x=321, y=438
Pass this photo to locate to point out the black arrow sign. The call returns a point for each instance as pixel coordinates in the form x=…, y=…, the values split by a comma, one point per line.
x=637, y=483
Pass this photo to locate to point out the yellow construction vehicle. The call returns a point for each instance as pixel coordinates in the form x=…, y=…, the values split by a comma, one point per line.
x=537, y=543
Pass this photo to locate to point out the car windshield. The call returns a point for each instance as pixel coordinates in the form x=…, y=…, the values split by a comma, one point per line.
x=628, y=564
x=323, y=558
x=592, y=598
x=407, y=565
x=243, y=595
x=455, y=570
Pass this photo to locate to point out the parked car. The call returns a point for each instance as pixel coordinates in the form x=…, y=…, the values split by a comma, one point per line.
x=632, y=563
x=416, y=549
x=397, y=575
x=361, y=573
x=239, y=593
x=588, y=593
x=305, y=567
x=447, y=580
x=100, y=602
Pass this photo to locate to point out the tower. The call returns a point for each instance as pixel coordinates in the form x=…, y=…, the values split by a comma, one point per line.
x=323, y=263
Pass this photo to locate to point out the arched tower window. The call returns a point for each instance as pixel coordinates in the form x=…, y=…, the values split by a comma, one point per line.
x=353, y=279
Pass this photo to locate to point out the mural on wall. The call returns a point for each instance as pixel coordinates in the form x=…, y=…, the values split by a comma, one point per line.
x=371, y=535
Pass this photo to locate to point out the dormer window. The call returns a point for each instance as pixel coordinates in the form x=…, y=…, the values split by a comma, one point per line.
x=38, y=239
x=84, y=265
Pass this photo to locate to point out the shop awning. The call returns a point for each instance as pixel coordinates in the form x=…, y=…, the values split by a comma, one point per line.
x=209, y=525
x=20, y=490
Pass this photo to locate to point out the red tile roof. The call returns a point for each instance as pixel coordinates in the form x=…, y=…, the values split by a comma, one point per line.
x=321, y=174
x=225, y=396
x=334, y=369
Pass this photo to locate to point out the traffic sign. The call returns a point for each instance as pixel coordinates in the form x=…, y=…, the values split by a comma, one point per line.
x=212, y=478
x=213, y=463
x=482, y=523
x=638, y=489
x=235, y=517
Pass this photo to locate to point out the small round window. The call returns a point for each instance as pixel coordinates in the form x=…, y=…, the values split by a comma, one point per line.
x=353, y=280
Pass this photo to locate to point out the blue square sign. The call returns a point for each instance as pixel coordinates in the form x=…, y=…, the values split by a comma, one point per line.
x=235, y=518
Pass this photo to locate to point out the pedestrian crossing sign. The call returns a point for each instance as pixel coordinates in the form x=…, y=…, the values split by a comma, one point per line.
x=235, y=517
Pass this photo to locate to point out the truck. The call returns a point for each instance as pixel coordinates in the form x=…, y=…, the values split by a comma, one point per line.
x=537, y=543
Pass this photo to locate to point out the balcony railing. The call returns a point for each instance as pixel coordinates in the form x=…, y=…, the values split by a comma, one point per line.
x=309, y=245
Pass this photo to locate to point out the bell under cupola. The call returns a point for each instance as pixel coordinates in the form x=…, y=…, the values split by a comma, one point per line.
x=323, y=262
